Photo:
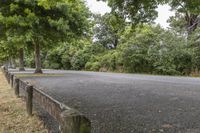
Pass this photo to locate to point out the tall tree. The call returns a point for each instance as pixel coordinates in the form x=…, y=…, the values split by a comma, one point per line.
x=21, y=59
x=107, y=29
x=45, y=22
x=186, y=22
x=143, y=11
x=11, y=35
x=136, y=11
x=187, y=14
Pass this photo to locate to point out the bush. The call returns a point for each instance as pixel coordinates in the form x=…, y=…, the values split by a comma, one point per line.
x=65, y=60
x=166, y=70
x=79, y=60
x=53, y=59
x=29, y=61
x=88, y=65
x=95, y=66
x=110, y=60
x=183, y=61
x=134, y=57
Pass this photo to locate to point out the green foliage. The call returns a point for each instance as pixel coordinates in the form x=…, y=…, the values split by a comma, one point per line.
x=185, y=5
x=148, y=49
x=106, y=29
x=53, y=59
x=92, y=66
x=135, y=49
x=110, y=61
x=79, y=60
x=154, y=50
x=43, y=22
x=183, y=61
x=187, y=16
x=72, y=55
x=138, y=11
x=194, y=44
x=30, y=62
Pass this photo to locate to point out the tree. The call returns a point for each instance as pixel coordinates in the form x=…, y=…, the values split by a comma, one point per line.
x=151, y=49
x=135, y=46
x=16, y=39
x=107, y=31
x=7, y=50
x=46, y=22
x=187, y=14
x=186, y=22
x=8, y=54
x=11, y=34
x=143, y=11
x=21, y=59
x=136, y=11
x=194, y=45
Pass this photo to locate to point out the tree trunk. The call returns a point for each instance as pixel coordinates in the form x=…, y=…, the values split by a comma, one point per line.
x=193, y=22
x=13, y=63
x=6, y=64
x=9, y=63
x=37, y=59
x=115, y=43
x=21, y=59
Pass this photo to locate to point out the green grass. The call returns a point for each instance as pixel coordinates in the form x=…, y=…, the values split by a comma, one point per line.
x=39, y=75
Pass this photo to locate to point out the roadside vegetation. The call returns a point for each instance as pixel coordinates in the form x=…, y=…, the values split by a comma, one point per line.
x=13, y=118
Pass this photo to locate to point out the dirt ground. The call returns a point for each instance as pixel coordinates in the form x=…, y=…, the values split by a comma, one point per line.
x=13, y=117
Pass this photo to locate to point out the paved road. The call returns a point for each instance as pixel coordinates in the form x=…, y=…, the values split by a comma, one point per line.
x=128, y=103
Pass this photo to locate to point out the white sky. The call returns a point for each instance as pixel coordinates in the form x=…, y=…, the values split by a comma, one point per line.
x=163, y=15
x=98, y=6
x=101, y=7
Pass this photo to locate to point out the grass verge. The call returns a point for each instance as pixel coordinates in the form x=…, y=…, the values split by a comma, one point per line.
x=40, y=75
x=13, y=117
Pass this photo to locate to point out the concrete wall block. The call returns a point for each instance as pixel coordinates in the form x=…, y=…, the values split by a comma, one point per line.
x=16, y=86
x=29, y=99
x=11, y=80
x=48, y=103
x=74, y=122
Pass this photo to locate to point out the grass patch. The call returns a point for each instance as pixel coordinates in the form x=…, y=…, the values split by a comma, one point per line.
x=196, y=76
x=13, y=117
x=39, y=75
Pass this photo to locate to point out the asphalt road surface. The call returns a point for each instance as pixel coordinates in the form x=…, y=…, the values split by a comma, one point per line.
x=128, y=103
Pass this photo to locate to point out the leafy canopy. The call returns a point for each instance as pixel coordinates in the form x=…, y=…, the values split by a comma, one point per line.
x=43, y=21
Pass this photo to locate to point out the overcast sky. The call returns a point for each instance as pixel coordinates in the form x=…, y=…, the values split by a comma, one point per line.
x=102, y=8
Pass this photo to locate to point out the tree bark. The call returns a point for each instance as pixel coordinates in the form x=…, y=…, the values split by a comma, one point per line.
x=193, y=22
x=6, y=64
x=115, y=42
x=37, y=59
x=21, y=59
x=9, y=63
x=14, y=63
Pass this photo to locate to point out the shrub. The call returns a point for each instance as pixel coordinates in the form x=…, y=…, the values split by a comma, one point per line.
x=79, y=60
x=95, y=66
x=88, y=65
